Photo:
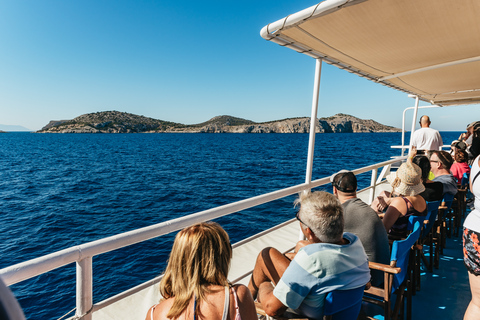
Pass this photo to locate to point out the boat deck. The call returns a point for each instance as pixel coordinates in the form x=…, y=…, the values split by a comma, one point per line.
x=445, y=292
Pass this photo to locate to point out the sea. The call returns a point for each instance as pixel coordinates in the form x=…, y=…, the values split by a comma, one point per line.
x=62, y=190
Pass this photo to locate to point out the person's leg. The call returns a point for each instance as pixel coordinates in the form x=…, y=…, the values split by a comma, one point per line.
x=473, y=310
x=270, y=266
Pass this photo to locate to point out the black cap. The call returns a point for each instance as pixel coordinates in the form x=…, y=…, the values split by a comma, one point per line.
x=344, y=181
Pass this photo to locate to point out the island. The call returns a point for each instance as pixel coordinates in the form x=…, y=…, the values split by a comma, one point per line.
x=122, y=122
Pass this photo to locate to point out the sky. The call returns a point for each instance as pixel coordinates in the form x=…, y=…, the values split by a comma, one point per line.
x=179, y=61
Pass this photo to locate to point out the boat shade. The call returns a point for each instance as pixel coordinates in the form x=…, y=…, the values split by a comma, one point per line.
x=429, y=48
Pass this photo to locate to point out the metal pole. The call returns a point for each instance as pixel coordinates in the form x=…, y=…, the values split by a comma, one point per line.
x=414, y=119
x=373, y=183
x=313, y=123
x=84, y=288
x=403, y=131
x=313, y=120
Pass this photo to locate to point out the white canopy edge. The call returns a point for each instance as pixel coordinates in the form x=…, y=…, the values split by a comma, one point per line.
x=273, y=32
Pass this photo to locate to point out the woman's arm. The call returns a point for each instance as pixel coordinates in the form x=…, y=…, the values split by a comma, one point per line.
x=245, y=303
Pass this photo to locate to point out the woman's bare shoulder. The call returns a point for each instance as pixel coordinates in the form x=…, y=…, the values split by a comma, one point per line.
x=397, y=201
x=160, y=310
x=240, y=289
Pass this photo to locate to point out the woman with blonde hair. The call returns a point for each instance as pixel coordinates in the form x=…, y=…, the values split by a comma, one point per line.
x=195, y=284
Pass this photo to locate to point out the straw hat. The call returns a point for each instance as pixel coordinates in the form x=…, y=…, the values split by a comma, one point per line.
x=407, y=180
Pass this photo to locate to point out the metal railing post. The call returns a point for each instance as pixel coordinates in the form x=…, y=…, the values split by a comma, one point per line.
x=373, y=183
x=84, y=289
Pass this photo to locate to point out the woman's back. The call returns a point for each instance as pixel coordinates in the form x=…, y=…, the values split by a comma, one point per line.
x=396, y=217
x=213, y=307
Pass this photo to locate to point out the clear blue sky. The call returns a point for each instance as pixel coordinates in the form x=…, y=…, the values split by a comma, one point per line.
x=177, y=61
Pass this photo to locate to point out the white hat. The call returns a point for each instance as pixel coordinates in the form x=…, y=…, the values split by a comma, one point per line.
x=407, y=180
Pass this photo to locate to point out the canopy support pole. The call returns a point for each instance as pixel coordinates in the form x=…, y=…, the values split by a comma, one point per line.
x=313, y=122
x=414, y=119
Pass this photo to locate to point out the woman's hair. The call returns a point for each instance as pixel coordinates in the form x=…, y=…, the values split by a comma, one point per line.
x=461, y=156
x=424, y=164
x=323, y=214
x=200, y=257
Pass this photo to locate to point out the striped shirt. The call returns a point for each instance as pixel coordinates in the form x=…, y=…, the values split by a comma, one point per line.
x=320, y=268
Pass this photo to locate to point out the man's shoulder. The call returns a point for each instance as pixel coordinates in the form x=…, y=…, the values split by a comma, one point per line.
x=358, y=207
x=444, y=178
x=354, y=202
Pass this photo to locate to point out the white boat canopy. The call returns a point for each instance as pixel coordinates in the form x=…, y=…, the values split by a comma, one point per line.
x=427, y=48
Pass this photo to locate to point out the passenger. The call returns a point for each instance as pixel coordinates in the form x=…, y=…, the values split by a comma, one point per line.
x=328, y=260
x=441, y=162
x=471, y=248
x=426, y=138
x=474, y=149
x=460, y=166
x=457, y=145
x=407, y=185
x=362, y=221
x=468, y=136
x=433, y=189
x=195, y=284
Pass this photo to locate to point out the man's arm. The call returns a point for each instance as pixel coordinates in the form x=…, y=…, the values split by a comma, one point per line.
x=300, y=244
x=272, y=306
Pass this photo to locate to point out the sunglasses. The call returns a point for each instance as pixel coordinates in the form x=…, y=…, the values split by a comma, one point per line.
x=298, y=218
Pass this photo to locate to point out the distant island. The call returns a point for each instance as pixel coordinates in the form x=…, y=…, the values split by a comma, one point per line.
x=122, y=122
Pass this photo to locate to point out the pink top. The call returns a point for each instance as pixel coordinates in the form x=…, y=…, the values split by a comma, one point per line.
x=458, y=169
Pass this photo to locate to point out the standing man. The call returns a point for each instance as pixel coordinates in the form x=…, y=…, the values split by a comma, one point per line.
x=361, y=220
x=426, y=138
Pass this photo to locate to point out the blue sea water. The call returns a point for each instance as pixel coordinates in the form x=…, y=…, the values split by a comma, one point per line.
x=61, y=190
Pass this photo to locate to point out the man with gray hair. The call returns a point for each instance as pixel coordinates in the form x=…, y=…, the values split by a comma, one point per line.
x=327, y=260
x=361, y=220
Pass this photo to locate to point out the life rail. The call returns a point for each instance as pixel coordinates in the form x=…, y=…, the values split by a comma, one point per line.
x=83, y=254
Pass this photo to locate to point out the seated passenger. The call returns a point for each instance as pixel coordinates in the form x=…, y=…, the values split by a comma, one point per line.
x=362, y=221
x=195, y=284
x=407, y=185
x=433, y=190
x=460, y=166
x=328, y=260
x=441, y=162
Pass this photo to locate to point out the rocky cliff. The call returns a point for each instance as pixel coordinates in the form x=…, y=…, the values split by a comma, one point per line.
x=121, y=122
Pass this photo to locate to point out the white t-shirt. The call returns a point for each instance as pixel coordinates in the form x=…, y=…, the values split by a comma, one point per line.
x=427, y=139
x=472, y=221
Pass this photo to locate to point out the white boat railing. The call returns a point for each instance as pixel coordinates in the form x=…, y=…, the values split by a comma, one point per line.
x=82, y=255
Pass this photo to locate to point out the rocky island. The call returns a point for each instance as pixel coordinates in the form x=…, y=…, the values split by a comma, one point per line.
x=122, y=122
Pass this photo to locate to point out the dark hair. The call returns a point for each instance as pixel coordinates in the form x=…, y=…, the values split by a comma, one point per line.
x=424, y=164
x=345, y=182
x=445, y=159
x=461, y=156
